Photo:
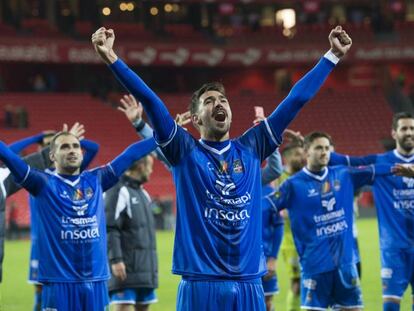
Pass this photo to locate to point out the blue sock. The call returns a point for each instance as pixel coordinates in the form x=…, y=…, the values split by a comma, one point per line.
x=38, y=301
x=391, y=306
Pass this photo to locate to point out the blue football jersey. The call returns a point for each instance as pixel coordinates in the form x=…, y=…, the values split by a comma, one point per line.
x=321, y=214
x=71, y=228
x=219, y=216
x=394, y=200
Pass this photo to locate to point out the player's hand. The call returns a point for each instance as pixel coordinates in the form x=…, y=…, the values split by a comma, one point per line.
x=130, y=107
x=119, y=270
x=405, y=170
x=103, y=41
x=294, y=136
x=77, y=130
x=271, y=269
x=340, y=41
x=183, y=118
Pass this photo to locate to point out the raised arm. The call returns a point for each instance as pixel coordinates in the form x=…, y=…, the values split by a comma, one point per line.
x=307, y=87
x=22, y=144
x=91, y=149
x=20, y=170
x=131, y=154
x=340, y=159
x=158, y=114
x=133, y=112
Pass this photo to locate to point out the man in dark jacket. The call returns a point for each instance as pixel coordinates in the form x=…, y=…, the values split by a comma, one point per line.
x=131, y=240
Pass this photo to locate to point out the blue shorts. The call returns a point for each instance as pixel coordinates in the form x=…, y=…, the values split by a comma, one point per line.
x=141, y=296
x=397, y=271
x=270, y=286
x=220, y=295
x=339, y=288
x=91, y=296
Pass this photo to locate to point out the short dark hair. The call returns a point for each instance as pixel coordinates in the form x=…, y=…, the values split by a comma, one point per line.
x=291, y=146
x=400, y=115
x=211, y=86
x=56, y=136
x=310, y=138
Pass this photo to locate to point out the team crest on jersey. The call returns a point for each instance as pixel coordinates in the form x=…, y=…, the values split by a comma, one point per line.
x=78, y=195
x=224, y=167
x=237, y=166
x=337, y=185
x=88, y=193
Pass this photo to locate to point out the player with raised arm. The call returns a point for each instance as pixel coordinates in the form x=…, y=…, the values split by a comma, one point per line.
x=218, y=249
x=320, y=204
x=90, y=150
x=71, y=221
x=394, y=201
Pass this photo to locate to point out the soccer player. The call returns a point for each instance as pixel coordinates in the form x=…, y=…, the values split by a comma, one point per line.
x=218, y=249
x=320, y=204
x=293, y=158
x=90, y=150
x=394, y=200
x=71, y=221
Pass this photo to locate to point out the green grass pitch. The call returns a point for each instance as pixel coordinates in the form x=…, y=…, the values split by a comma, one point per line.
x=17, y=295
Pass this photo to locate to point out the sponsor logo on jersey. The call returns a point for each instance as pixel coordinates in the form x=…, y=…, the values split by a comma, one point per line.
x=312, y=193
x=333, y=229
x=329, y=204
x=408, y=181
x=80, y=210
x=80, y=234
x=224, y=188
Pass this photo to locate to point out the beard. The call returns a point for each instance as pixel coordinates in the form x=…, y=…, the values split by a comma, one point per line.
x=406, y=144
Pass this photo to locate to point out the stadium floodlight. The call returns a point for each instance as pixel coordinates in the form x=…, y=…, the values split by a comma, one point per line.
x=168, y=8
x=130, y=6
x=154, y=11
x=106, y=11
x=286, y=18
x=123, y=6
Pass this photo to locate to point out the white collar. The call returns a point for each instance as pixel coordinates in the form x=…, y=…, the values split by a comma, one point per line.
x=320, y=178
x=401, y=157
x=68, y=181
x=209, y=148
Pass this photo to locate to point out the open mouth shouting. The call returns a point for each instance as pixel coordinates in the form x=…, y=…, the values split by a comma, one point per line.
x=219, y=114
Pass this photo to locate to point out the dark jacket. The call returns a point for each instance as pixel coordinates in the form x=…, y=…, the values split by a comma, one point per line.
x=131, y=234
x=39, y=160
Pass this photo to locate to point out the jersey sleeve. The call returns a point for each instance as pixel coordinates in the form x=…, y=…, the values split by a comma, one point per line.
x=365, y=175
x=260, y=140
x=279, y=199
x=273, y=168
x=178, y=146
x=106, y=176
x=341, y=159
